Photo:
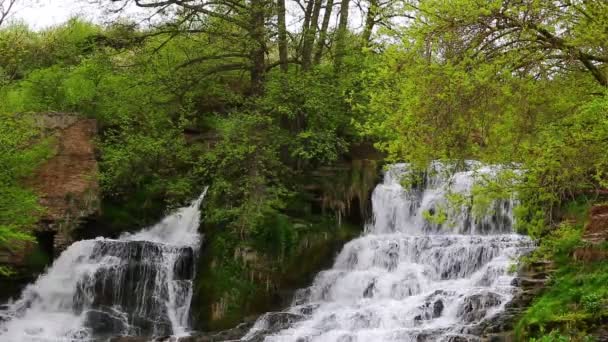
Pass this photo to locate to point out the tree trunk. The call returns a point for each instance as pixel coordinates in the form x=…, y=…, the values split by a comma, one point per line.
x=309, y=36
x=258, y=49
x=370, y=21
x=282, y=35
x=323, y=33
x=306, y=24
x=341, y=36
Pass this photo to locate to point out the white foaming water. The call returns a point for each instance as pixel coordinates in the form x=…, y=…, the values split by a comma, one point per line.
x=407, y=279
x=139, y=284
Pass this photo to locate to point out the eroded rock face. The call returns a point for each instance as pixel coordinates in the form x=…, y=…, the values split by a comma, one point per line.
x=67, y=183
x=475, y=307
x=596, y=233
x=234, y=334
x=530, y=282
x=68, y=190
x=271, y=323
x=126, y=269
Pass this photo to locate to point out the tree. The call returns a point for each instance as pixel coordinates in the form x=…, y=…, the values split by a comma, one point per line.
x=370, y=21
x=282, y=35
x=310, y=31
x=341, y=36
x=323, y=32
x=247, y=20
x=541, y=36
x=6, y=9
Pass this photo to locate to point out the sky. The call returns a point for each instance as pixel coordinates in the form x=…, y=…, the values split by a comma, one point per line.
x=40, y=14
x=44, y=13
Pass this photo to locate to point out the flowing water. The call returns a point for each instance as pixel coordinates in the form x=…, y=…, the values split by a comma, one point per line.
x=139, y=284
x=409, y=278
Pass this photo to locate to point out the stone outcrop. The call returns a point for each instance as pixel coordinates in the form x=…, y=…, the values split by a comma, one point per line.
x=67, y=188
x=595, y=234
x=531, y=281
x=67, y=182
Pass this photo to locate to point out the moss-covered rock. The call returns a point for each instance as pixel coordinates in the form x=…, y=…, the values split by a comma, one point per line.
x=237, y=279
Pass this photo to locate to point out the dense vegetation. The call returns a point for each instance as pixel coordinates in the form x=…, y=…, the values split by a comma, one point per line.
x=234, y=94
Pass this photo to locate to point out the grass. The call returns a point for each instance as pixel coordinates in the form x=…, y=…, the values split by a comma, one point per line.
x=574, y=304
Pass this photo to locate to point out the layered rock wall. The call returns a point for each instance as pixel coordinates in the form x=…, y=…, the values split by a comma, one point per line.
x=68, y=191
x=67, y=183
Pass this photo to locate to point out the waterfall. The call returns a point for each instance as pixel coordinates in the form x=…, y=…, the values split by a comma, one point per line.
x=408, y=277
x=139, y=284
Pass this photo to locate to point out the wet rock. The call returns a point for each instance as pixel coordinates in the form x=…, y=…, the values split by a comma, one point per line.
x=461, y=338
x=308, y=309
x=184, y=265
x=141, y=339
x=234, y=334
x=104, y=321
x=369, y=291
x=437, y=308
x=129, y=339
x=474, y=307
x=530, y=281
x=272, y=323
x=137, y=267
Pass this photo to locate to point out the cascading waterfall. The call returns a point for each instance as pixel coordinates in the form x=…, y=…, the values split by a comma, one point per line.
x=139, y=284
x=409, y=278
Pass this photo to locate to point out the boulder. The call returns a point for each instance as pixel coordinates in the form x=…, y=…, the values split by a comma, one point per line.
x=475, y=307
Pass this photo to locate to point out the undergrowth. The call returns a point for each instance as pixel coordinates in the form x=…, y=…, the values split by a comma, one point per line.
x=574, y=304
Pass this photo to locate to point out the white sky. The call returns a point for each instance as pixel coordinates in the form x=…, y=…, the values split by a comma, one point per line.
x=44, y=13
x=40, y=14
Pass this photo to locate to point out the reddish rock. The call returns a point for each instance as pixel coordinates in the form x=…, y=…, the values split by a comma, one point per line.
x=67, y=187
x=596, y=230
x=596, y=233
x=67, y=182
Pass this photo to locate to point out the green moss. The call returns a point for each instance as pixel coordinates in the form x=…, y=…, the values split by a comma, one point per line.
x=128, y=213
x=37, y=260
x=237, y=279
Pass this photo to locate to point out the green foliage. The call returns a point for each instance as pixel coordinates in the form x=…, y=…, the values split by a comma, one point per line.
x=245, y=171
x=593, y=303
x=238, y=278
x=571, y=303
x=575, y=296
x=20, y=152
x=314, y=105
x=437, y=95
x=558, y=244
x=176, y=112
x=553, y=336
x=439, y=216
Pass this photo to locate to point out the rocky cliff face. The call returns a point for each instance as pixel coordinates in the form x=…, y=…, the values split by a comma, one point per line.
x=67, y=183
x=595, y=234
x=67, y=188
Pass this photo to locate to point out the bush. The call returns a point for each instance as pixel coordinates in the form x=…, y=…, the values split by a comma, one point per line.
x=592, y=303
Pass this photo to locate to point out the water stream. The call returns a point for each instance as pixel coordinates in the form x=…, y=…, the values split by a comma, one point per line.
x=139, y=284
x=408, y=278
